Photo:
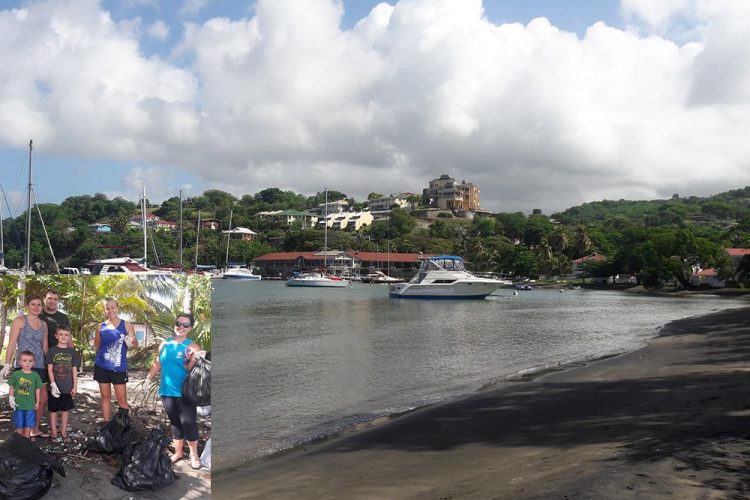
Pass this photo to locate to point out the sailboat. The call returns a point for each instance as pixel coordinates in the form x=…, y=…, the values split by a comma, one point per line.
x=320, y=278
x=26, y=270
x=234, y=271
x=126, y=265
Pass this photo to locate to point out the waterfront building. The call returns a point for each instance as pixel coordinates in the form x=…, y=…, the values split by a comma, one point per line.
x=397, y=265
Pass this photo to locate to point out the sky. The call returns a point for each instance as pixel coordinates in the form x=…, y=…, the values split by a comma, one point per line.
x=542, y=103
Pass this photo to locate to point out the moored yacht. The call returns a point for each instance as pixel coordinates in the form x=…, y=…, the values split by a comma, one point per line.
x=444, y=277
x=122, y=265
x=317, y=279
x=240, y=273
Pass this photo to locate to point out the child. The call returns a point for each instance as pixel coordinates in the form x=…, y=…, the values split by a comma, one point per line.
x=62, y=367
x=26, y=385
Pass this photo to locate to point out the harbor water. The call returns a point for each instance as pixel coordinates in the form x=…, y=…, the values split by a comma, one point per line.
x=300, y=364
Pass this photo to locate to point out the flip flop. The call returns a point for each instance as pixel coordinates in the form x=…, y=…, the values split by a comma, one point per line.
x=43, y=435
x=192, y=466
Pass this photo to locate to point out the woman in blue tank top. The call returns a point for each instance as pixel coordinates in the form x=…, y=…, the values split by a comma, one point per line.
x=177, y=355
x=113, y=338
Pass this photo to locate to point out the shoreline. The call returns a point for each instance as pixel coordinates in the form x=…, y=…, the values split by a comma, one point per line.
x=524, y=375
x=383, y=452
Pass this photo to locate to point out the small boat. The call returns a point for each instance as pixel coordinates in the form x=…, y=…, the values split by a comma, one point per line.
x=380, y=277
x=444, y=277
x=120, y=266
x=522, y=286
x=317, y=279
x=320, y=278
x=240, y=273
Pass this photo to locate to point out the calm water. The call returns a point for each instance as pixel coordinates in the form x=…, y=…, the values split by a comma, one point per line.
x=298, y=364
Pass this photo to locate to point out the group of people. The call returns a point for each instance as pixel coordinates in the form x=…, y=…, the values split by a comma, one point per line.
x=45, y=372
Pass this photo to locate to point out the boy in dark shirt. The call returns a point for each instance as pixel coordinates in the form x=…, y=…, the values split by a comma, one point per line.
x=62, y=362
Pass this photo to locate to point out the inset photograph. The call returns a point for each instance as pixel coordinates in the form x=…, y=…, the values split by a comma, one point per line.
x=105, y=386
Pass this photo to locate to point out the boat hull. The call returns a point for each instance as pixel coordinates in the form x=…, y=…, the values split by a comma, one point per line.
x=463, y=291
x=243, y=278
x=317, y=283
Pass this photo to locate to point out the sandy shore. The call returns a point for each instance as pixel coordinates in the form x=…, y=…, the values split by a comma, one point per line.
x=671, y=420
x=89, y=474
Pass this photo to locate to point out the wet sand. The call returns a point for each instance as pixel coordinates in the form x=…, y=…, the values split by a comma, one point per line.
x=671, y=420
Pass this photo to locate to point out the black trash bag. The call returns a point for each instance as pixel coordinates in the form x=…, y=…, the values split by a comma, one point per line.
x=196, y=388
x=145, y=464
x=115, y=435
x=25, y=470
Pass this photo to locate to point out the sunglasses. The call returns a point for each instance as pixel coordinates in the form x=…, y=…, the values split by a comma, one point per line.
x=185, y=324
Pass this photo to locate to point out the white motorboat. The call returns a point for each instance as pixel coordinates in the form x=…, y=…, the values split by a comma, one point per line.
x=120, y=266
x=317, y=279
x=240, y=273
x=380, y=277
x=444, y=277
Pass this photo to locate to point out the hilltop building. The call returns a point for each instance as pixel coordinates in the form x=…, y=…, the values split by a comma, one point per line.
x=291, y=216
x=351, y=221
x=333, y=207
x=447, y=194
x=385, y=203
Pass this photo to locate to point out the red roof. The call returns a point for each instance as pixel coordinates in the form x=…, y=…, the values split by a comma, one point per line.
x=388, y=257
x=706, y=272
x=288, y=256
x=738, y=252
x=366, y=256
x=593, y=256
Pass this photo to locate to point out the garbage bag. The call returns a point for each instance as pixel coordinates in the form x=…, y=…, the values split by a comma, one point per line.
x=25, y=470
x=115, y=435
x=206, y=455
x=145, y=464
x=196, y=388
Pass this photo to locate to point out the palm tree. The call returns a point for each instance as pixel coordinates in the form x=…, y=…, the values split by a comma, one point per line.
x=582, y=241
x=559, y=240
x=545, y=256
x=11, y=289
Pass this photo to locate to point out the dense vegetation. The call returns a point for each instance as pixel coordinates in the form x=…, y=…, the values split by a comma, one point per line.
x=656, y=240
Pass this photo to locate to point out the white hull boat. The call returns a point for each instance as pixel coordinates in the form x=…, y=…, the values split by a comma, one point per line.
x=444, y=277
x=380, y=277
x=318, y=280
x=240, y=273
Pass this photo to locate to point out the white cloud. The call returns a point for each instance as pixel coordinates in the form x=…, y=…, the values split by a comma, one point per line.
x=537, y=116
x=158, y=30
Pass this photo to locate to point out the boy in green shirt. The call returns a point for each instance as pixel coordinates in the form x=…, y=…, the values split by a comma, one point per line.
x=24, y=386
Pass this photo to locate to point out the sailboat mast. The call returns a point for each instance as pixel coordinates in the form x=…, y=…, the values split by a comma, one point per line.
x=325, y=232
x=27, y=261
x=2, y=244
x=197, y=235
x=181, y=269
x=143, y=222
x=229, y=234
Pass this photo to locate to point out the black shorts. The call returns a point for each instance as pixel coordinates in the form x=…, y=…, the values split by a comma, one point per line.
x=42, y=374
x=63, y=403
x=109, y=376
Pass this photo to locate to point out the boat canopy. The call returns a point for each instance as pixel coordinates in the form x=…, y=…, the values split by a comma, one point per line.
x=447, y=257
x=443, y=263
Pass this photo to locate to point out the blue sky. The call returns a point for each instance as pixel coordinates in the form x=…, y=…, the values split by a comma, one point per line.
x=600, y=99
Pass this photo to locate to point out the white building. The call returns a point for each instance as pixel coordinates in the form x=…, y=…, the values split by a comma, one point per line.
x=386, y=202
x=351, y=221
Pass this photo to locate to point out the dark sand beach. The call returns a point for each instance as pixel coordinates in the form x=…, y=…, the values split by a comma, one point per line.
x=671, y=420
